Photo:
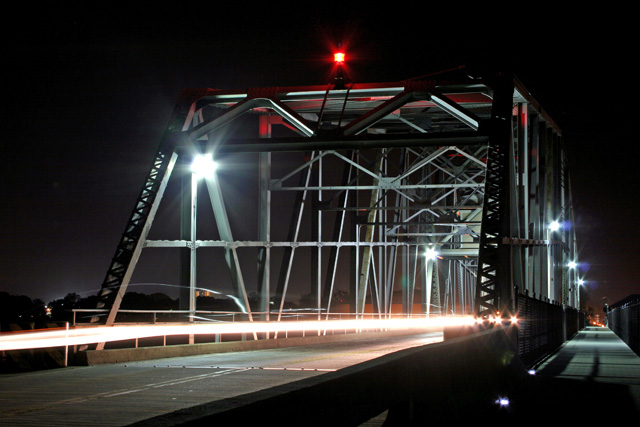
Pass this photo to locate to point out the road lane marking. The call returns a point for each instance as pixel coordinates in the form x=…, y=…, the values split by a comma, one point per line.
x=109, y=394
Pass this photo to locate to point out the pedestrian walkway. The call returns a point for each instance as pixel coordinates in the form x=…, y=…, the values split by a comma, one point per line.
x=593, y=377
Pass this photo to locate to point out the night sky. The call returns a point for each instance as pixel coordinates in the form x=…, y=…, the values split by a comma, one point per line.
x=87, y=95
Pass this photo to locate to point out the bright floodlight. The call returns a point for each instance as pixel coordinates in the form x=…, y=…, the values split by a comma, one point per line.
x=554, y=226
x=338, y=57
x=580, y=282
x=431, y=253
x=203, y=165
x=572, y=264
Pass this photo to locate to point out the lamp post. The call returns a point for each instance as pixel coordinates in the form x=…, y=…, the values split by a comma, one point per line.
x=202, y=166
x=573, y=289
x=430, y=256
x=580, y=283
x=554, y=226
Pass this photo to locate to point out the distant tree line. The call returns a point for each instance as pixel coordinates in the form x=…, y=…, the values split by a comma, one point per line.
x=20, y=309
x=27, y=313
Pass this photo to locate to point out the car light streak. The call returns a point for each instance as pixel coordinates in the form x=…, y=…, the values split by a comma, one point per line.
x=94, y=334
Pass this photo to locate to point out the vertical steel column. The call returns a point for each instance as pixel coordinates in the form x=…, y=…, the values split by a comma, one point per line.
x=493, y=285
x=523, y=190
x=294, y=229
x=314, y=254
x=398, y=215
x=185, y=235
x=515, y=253
x=558, y=214
x=430, y=284
x=193, y=247
x=363, y=279
x=319, y=248
x=550, y=216
x=544, y=216
x=411, y=279
x=264, y=221
x=536, y=213
x=332, y=265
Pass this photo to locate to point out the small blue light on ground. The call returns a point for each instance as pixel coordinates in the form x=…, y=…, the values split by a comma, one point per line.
x=532, y=371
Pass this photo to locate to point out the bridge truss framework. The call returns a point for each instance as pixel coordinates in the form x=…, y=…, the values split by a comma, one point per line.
x=439, y=189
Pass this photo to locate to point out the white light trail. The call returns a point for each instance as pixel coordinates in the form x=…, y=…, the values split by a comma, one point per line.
x=93, y=334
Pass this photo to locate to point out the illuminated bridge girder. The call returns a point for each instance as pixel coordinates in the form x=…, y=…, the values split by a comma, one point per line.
x=349, y=187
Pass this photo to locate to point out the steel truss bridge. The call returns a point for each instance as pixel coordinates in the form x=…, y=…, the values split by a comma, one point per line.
x=440, y=189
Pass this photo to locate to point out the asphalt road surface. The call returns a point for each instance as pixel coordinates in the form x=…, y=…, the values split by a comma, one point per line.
x=120, y=394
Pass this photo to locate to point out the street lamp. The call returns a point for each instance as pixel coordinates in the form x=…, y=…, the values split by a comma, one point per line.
x=202, y=166
x=431, y=254
x=574, y=291
x=431, y=268
x=580, y=283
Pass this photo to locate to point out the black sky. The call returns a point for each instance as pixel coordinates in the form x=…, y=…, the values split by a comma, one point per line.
x=89, y=92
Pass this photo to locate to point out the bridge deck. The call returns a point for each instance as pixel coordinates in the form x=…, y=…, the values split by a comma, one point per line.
x=594, y=376
x=123, y=393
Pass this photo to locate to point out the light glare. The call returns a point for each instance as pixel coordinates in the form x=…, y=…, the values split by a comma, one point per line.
x=431, y=253
x=503, y=401
x=93, y=334
x=338, y=57
x=203, y=165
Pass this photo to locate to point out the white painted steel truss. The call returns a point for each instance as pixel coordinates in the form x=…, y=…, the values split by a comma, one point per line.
x=349, y=187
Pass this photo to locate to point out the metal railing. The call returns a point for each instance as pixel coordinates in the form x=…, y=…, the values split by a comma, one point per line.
x=624, y=321
x=543, y=327
x=183, y=317
x=160, y=316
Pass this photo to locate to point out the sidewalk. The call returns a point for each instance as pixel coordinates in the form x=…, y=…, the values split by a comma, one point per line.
x=593, y=377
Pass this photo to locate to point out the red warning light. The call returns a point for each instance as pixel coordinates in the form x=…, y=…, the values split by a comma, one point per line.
x=338, y=58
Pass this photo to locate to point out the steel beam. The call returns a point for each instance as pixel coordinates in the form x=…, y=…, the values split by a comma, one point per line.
x=494, y=281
